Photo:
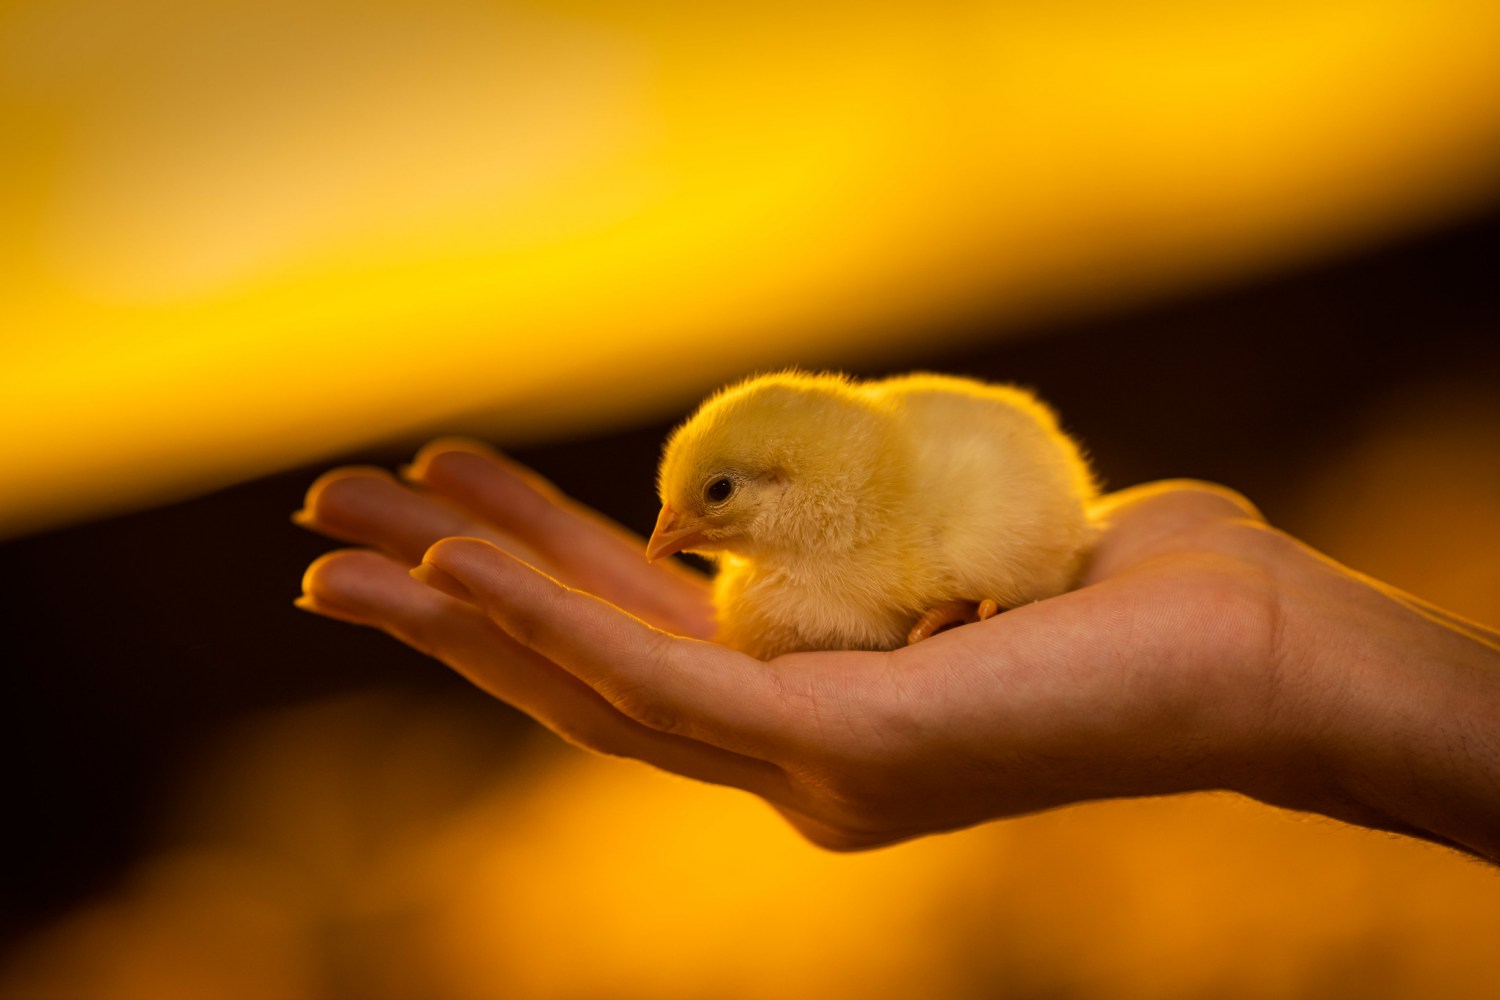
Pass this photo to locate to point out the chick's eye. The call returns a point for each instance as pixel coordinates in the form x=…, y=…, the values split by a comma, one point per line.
x=718, y=491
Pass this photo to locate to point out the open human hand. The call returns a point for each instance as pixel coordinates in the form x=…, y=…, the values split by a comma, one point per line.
x=1169, y=669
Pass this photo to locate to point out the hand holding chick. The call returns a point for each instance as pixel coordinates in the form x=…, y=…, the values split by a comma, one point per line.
x=1196, y=653
x=865, y=515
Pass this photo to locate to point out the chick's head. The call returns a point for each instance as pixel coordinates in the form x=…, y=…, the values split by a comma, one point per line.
x=768, y=466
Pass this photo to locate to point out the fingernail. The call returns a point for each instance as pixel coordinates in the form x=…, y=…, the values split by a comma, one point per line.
x=442, y=581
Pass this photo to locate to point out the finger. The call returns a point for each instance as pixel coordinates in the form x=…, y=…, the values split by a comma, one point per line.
x=1177, y=498
x=1144, y=522
x=672, y=684
x=367, y=588
x=367, y=506
x=580, y=546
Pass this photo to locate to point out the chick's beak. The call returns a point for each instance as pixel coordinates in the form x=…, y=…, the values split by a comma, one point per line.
x=673, y=533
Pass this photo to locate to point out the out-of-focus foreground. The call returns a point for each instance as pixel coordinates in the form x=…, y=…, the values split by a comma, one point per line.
x=1251, y=243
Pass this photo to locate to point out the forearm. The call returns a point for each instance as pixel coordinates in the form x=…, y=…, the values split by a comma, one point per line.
x=1401, y=712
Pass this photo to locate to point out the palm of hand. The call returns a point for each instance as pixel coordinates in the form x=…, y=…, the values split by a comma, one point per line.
x=1133, y=684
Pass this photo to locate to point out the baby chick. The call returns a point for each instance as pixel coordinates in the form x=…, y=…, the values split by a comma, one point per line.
x=865, y=515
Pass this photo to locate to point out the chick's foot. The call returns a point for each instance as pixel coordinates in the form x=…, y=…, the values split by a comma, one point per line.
x=949, y=614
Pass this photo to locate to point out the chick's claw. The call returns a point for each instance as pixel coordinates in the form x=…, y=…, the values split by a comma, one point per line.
x=949, y=614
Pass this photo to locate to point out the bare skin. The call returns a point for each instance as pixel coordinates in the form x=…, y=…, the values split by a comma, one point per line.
x=1203, y=650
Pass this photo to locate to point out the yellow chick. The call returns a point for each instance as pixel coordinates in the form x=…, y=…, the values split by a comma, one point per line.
x=866, y=515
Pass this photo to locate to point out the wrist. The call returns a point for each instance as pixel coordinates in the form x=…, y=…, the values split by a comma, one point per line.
x=1389, y=715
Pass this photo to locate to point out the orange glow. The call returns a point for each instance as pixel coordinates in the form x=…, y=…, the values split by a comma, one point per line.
x=347, y=849
x=241, y=236
x=372, y=847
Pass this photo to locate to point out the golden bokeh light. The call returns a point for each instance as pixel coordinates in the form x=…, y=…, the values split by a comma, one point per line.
x=242, y=236
x=245, y=235
x=347, y=849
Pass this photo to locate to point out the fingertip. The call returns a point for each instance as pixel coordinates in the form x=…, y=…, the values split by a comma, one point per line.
x=312, y=577
x=1193, y=497
x=326, y=589
x=484, y=479
x=495, y=579
x=421, y=464
x=316, y=501
x=441, y=581
x=320, y=485
x=459, y=442
x=472, y=564
x=325, y=610
x=1209, y=497
x=354, y=581
x=458, y=551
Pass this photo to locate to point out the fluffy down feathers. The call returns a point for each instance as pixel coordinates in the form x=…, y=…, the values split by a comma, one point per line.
x=840, y=511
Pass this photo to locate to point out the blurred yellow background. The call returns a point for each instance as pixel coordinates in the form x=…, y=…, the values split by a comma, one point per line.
x=351, y=850
x=243, y=237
